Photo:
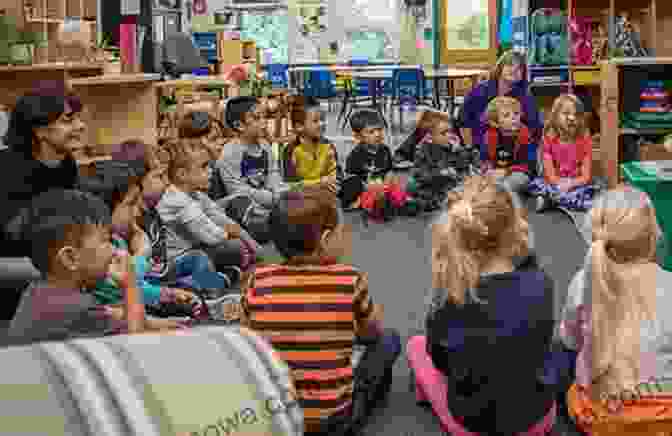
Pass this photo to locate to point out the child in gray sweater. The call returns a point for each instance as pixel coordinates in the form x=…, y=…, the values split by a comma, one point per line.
x=193, y=220
x=243, y=164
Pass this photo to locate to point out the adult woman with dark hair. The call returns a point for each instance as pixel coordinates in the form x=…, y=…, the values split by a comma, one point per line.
x=45, y=132
x=508, y=78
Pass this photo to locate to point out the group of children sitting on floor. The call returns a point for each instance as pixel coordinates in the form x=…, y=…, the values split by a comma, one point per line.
x=187, y=227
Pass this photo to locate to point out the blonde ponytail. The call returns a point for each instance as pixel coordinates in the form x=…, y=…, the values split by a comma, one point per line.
x=482, y=221
x=622, y=291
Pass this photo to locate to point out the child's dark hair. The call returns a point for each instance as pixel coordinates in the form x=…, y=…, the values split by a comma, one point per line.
x=236, y=108
x=301, y=108
x=131, y=164
x=38, y=108
x=196, y=124
x=58, y=218
x=364, y=118
x=298, y=220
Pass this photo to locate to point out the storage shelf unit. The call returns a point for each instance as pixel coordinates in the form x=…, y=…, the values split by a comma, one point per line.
x=612, y=106
x=207, y=44
x=604, y=12
x=45, y=16
x=234, y=52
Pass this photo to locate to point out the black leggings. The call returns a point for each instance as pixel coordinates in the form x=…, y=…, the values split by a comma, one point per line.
x=372, y=381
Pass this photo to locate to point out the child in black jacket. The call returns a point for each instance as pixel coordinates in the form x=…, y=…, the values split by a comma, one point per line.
x=371, y=158
x=441, y=163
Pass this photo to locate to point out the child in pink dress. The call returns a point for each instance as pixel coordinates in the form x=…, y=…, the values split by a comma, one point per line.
x=568, y=158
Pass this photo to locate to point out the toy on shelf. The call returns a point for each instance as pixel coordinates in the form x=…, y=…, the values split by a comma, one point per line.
x=549, y=41
x=599, y=43
x=628, y=41
x=654, y=97
x=582, y=40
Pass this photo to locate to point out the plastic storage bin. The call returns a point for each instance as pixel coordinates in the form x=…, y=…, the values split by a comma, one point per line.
x=652, y=178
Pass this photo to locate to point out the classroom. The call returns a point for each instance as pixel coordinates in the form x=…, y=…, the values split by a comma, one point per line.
x=335, y=217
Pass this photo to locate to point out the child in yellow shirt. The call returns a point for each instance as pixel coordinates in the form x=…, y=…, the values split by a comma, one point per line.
x=312, y=158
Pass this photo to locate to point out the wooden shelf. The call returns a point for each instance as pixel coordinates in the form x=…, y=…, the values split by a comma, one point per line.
x=52, y=66
x=44, y=20
x=115, y=78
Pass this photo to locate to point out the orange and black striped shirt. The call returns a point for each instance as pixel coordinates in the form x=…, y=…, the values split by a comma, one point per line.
x=310, y=314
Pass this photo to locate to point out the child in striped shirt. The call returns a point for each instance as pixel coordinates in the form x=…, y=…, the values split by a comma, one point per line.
x=313, y=309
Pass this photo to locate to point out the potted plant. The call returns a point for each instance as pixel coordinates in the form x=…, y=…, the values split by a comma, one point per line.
x=109, y=55
x=8, y=35
x=23, y=48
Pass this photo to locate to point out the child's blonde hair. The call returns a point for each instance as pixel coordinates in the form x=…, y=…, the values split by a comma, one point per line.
x=498, y=104
x=551, y=127
x=622, y=274
x=481, y=220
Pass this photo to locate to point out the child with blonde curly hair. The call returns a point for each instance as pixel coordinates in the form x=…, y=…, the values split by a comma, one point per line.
x=508, y=142
x=568, y=158
x=485, y=303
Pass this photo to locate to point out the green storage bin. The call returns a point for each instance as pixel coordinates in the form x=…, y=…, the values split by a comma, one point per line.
x=659, y=190
x=645, y=120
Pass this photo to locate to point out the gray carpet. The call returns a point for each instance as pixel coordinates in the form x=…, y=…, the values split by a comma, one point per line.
x=396, y=257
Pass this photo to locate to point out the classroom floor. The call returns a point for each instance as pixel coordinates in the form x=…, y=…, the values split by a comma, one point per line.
x=396, y=257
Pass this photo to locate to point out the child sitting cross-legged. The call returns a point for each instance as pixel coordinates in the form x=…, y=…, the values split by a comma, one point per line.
x=371, y=158
x=130, y=239
x=71, y=244
x=313, y=308
x=441, y=162
x=485, y=303
x=507, y=141
x=242, y=165
x=194, y=221
x=568, y=159
x=312, y=158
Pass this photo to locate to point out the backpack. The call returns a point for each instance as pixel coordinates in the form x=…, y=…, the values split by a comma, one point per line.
x=548, y=37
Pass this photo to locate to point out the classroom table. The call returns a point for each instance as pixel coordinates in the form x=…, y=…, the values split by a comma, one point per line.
x=293, y=72
x=448, y=74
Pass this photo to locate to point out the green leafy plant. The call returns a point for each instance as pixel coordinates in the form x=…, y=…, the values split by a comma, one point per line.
x=105, y=44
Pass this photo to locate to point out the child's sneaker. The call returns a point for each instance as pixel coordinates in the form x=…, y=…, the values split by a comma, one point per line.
x=542, y=203
x=233, y=273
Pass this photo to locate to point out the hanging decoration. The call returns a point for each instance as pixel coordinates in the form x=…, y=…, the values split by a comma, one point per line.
x=200, y=7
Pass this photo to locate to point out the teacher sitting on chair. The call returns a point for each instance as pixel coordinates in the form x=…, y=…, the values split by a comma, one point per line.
x=507, y=78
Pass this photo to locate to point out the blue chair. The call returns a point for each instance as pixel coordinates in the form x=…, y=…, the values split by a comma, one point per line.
x=320, y=85
x=359, y=94
x=277, y=74
x=408, y=88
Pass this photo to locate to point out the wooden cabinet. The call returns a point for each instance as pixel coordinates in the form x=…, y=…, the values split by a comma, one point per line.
x=47, y=16
x=611, y=107
x=234, y=52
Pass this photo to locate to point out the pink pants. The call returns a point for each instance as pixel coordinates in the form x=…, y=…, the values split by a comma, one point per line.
x=430, y=386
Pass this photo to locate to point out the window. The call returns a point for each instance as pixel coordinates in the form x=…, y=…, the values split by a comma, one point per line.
x=468, y=31
x=376, y=10
x=269, y=31
x=374, y=45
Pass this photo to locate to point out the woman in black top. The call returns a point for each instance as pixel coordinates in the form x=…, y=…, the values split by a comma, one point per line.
x=44, y=135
